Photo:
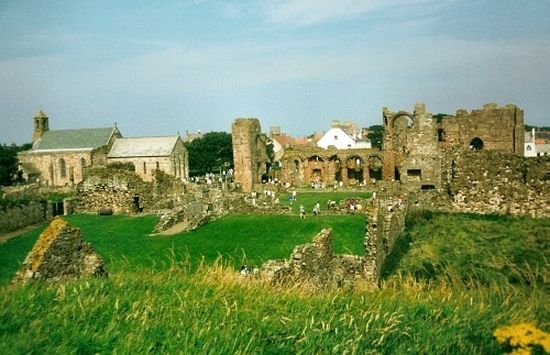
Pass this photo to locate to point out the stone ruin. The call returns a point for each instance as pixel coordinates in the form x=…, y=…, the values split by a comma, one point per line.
x=60, y=253
x=316, y=265
x=249, y=152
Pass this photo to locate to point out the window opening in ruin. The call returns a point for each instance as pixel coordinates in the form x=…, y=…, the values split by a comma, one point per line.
x=414, y=174
x=375, y=168
x=528, y=148
x=296, y=165
x=158, y=165
x=62, y=168
x=136, y=205
x=82, y=167
x=397, y=175
x=71, y=174
x=440, y=135
x=427, y=187
x=144, y=167
x=476, y=144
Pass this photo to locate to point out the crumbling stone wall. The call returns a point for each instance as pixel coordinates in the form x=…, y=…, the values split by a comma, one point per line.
x=199, y=205
x=497, y=182
x=498, y=128
x=410, y=150
x=117, y=190
x=385, y=221
x=316, y=265
x=249, y=152
x=60, y=253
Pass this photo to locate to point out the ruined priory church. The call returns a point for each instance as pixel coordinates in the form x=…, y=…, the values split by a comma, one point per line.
x=60, y=157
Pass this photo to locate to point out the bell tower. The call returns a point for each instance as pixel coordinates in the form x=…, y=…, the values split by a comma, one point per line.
x=41, y=125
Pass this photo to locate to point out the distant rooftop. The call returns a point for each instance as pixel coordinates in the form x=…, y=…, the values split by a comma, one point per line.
x=143, y=147
x=86, y=138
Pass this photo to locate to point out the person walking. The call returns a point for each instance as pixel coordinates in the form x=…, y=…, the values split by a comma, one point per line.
x=317, y=209
x=302, y=212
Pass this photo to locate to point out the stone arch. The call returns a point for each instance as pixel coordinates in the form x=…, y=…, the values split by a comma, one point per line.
x=375, y=167
x=355, y=168
x=410, y=119
x=476, y=143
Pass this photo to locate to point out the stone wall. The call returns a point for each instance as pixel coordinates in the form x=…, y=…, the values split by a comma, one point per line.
x=315, y=265
x=498, y=127
x=249, y=152
x=199, y=205
x=385, y=221
x=305, y=165
x=116, y=190
x=60, y=253
x=496, y=182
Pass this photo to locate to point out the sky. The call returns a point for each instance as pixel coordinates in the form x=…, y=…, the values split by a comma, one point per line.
x=162, y=67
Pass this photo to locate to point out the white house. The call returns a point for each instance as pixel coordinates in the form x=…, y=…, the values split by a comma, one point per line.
x=341, y=139
x=530, y=148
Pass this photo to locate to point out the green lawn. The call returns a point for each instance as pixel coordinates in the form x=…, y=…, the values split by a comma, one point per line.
x=125, y=242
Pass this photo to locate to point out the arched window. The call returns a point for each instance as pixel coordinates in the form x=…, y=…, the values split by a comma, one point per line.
x=62, y=168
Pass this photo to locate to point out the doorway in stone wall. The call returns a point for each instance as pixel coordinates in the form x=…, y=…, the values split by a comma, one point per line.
x=476, y=144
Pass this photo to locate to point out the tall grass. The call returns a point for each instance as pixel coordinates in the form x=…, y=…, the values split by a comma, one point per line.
x=218, y=311
x=473, y=249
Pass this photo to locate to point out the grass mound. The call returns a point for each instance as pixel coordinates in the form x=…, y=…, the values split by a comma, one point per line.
x=473, y=249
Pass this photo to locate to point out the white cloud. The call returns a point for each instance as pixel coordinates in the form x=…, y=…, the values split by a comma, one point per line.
x=311, y=12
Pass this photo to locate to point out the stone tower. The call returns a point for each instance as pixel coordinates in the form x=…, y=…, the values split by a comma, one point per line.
x=249, y=152
x=41, y=125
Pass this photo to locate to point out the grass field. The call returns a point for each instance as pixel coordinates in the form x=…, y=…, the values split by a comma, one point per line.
x=452, y=280
x=126, y=244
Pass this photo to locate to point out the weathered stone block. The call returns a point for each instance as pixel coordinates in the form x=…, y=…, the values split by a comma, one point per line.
x=60, y=253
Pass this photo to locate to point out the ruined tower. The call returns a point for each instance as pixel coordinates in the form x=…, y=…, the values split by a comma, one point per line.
x=41, y=125
x=249, y=152
x=411, y=152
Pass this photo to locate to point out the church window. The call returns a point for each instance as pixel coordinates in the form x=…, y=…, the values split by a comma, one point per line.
x=144, y=167
x=62, y=168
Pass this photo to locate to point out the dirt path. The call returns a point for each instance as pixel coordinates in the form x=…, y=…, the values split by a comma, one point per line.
x=4, y=238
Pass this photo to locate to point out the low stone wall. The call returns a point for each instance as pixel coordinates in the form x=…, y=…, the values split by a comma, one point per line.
x=17, y=217
x=60, y=253
x=494, y=182
x=119, y=191
x=315, y=265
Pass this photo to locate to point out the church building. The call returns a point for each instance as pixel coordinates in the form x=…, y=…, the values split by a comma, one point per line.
x=59, y=157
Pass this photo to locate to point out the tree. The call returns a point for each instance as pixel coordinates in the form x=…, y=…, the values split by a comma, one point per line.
x=9, y=163
x=210, y=153
x=376, y=136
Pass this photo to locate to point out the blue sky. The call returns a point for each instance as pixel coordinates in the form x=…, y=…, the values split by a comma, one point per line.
x=159, y=67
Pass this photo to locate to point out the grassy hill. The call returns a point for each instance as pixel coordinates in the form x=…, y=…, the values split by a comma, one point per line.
x=452, y=281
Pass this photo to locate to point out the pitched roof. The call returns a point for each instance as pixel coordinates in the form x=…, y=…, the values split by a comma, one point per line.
x=143, y=147
x=86, y=138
